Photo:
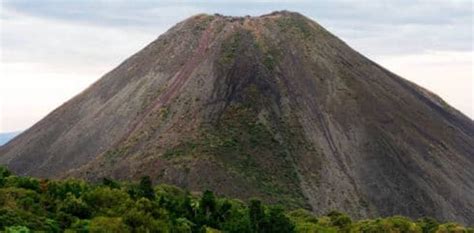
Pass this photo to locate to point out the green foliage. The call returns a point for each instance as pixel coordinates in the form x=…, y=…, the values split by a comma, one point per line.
x=4, y=173
x=75, y=207
x=305, y=221
x=143, y=221
x=22, y=182
x=271, y=220
x=182, y=225
x=33, y=205
x=60, y=189
x=110, y=183
x=107, y=201
x=296, y=25
x=207, y=209
x=451, y=228
x=80, y=226
x=230, y=48
x=107, y=224
x=340, y=220
x=277, y=221
x=428, y=225
x=256, y=215
x=146, y=188
x=391, y=224
x=17, y=229
x=269, y=62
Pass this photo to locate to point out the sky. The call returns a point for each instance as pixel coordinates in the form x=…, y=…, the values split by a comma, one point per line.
x=52, y=50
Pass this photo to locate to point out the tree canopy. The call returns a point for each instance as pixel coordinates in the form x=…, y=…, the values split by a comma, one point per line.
x=29, y=204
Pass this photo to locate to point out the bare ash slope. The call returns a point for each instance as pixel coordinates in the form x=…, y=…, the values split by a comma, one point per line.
x=274, y=107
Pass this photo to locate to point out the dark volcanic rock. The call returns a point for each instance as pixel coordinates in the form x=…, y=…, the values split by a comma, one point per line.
x=273, y=107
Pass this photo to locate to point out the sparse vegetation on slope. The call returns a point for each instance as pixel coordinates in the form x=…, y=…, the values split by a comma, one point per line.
x=36, y=205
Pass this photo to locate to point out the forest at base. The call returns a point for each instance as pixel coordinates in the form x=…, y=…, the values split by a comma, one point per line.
x=39, y=205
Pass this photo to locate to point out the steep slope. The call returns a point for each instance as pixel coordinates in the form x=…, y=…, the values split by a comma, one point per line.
x=273, y=107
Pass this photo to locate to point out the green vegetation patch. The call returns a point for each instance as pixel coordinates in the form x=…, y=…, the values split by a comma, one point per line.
x=243, y=141
x=111, y=206
x=270, y=52
x=297, y=25
x=230, y=48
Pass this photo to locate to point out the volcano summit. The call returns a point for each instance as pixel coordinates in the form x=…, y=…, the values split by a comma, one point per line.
x=273, y=107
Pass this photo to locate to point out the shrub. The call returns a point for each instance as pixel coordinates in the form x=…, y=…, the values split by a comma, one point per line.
x=17, y=229
x=75, y=206
x=107, y=224
x=276, y=221
x=107, y=201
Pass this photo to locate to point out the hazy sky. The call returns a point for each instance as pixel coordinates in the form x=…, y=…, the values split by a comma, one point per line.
x=51, y=50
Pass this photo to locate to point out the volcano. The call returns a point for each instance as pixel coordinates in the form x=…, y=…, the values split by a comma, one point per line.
x=273, y=107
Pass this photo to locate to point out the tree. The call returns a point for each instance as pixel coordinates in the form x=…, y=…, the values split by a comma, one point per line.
x=141, y=221
x=146, y=188
x=22, y=182
x=60, y=189
x=182, y=225
x=76, y=207
x=223, y=212
x=340, y=220
x=237, y=222
x=276, y=221
x=256, y=215
x=186, y=209
x=17, y=229
x=4, y=173
x=80, y=226
x=207, y=207
x=110, y=183
x=450, y=227
x=428, y=225
x=107, y=224
x=208, y=202
x=106, y=200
